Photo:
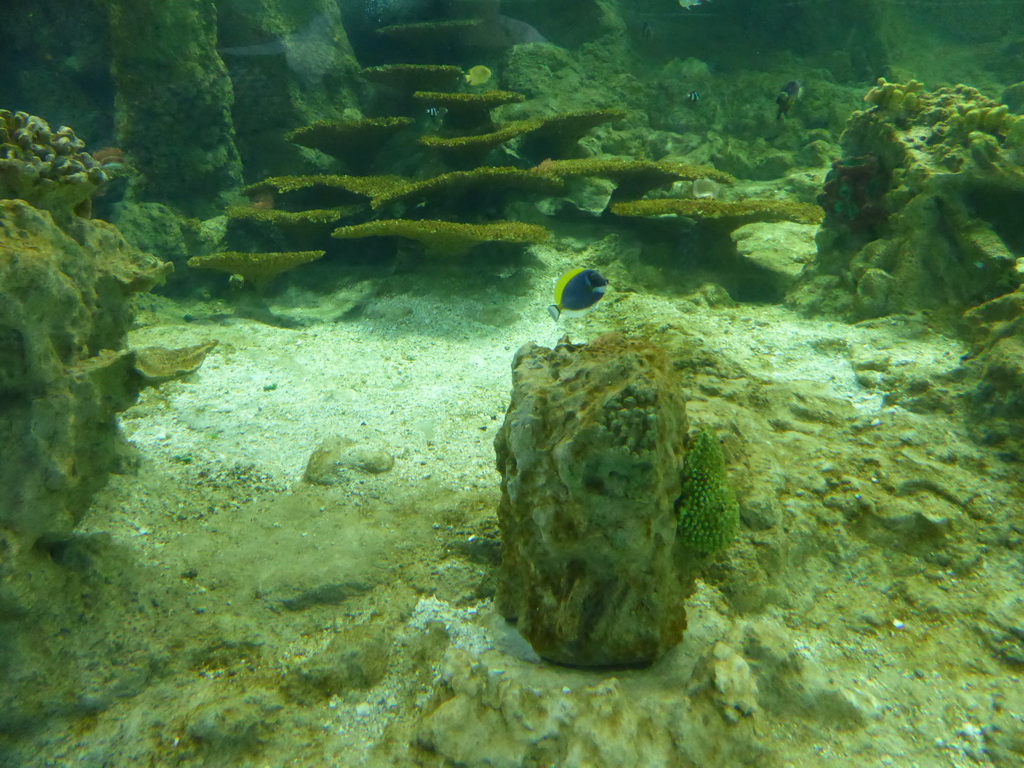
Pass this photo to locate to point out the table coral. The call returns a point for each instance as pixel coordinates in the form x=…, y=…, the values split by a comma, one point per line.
x=558, y=134
x=734, y=213
x=354, y=142
x=467, y=111
x=257, y=268
x=447, y=238
x=486, y=179
x=415, y=77
x=471, y=150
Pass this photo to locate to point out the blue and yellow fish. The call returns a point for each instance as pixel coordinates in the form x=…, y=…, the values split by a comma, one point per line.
x=577, y=292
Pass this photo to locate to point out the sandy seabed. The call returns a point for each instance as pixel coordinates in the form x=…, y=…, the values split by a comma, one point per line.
x=271, y=567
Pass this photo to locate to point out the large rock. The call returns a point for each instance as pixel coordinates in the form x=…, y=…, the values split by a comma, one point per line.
x=63, y=316
x=590, y=454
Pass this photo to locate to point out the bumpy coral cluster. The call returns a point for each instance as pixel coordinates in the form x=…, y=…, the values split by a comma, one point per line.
x=46, y=168
x=708, y=513
x=922, y=210
x=960, y=110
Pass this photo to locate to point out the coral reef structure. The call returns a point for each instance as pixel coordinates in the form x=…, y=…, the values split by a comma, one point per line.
x=921, y=212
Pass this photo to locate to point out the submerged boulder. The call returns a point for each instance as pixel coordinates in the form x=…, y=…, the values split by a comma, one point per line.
x=590, y=454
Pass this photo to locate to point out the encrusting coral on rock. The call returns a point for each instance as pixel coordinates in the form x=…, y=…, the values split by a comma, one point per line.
x=590, y=455
x=922, y=209
x=49, y=169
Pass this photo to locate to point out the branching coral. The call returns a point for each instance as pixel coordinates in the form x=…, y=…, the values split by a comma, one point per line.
x=709, y=515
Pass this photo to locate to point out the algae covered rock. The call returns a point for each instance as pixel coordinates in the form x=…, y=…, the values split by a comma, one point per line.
x=590, y=455
x=173, y=92
x=63, y=373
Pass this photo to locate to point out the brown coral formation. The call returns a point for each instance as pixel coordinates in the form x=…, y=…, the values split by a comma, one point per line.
x=256, y=268
x=590, y=454
x=447, y=238
x=47, y=168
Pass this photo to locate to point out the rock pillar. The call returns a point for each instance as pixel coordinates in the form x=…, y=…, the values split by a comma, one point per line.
x=590, y=455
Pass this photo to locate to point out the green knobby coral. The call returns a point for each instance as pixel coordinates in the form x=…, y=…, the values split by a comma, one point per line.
x=709, y=515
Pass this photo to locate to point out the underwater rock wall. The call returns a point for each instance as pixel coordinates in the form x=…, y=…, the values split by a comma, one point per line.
x=65, y=286
x=173, y=103
x=63, y=317
x=289, y=65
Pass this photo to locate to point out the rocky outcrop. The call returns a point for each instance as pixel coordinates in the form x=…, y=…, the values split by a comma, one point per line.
x=63, y=317
x=920, y=212
x=590, y=454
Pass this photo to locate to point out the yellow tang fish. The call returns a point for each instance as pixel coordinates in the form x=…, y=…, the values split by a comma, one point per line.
x=478, y=75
